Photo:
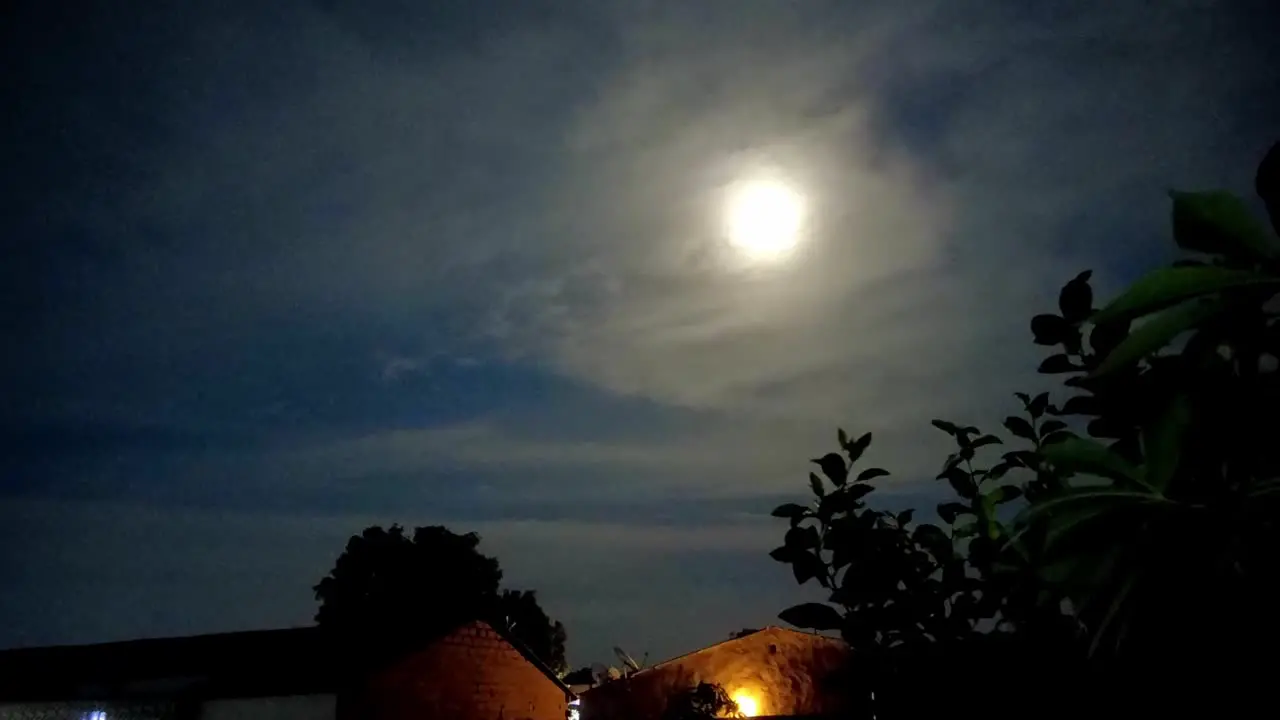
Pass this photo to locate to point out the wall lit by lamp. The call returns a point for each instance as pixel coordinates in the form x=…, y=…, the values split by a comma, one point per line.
x=94, y=715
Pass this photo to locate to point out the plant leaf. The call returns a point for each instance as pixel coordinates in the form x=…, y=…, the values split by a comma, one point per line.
x=1048, y=427
x=1162, y=442
x=834, y=468
x=1055, y=436
x=1007, y=493
x=783, y=554
x=1104, y=338
x=843, y=500
x=1075, y=301
x=986, y=440
x=1114, y=609
x=807, y=566
x=1169, y=286
x=1038, y=405
x=999, y=470
x=946, y=427
x=1022, y=458
x=790, y=510
x=952, y=460
x=812, y=616
x=815, y=482
x=1050, y=329
x=871, y=474
x=1078, y=506
x=1089, y=457
x=1108, y=427
x=1159, y=332
x=1055, y=364
x=961, y=482
x=1080, y=405
x=949, y=511
x=1219, y=223
x=934, y=540
x=857, y=492
x=857, y=447
x=802, y=538
x=1020, y=427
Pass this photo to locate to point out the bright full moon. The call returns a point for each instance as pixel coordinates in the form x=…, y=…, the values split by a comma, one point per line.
x=764, y=219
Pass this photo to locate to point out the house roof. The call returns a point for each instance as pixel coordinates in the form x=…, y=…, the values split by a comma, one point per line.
x=736, y=640
x=295, y=660
x=240, y=664
x=533, y=660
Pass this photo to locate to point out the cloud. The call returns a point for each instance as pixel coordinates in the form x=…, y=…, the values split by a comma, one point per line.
x=341, y=266
x=395, y=366
x=937, y=236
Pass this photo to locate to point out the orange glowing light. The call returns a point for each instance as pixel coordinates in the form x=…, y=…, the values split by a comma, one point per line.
x=747, y=703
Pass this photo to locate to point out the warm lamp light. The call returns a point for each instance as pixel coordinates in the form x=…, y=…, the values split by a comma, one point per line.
x=747, y=703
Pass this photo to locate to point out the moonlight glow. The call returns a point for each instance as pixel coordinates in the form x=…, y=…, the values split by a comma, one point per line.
x=764, y=218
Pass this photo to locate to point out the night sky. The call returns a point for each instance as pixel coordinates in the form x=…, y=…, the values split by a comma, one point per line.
x=275, y=271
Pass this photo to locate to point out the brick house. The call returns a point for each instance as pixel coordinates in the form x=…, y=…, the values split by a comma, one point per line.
x=468, y=672
x=774, y=672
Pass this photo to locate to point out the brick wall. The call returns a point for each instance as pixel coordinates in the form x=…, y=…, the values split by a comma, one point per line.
x=471, y=674
x=782, y=670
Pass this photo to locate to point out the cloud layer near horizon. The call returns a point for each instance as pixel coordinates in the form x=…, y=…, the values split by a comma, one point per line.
x=284, y=272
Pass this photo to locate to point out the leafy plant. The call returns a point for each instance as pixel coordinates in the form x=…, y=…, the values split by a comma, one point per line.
x=1163, y=512
x=908, y=596
x=900, y=582
x=703, y=701
x=1148, y=496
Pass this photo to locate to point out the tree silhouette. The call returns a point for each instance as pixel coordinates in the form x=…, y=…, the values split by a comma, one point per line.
x=391, y=589
x=528, y=622
x=581, y=676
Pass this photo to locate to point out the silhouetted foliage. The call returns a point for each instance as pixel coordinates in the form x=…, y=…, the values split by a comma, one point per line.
x=389, y=589
x=701, y=702
x=743, y=633
x=1147, y=524
x=581, y=676
x=389, y=582
x=527, y=622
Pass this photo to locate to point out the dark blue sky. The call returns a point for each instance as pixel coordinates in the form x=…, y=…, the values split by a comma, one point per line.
x=277, y=271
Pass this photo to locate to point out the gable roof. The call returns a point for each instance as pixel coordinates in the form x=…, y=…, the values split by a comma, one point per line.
x=528, y=655
x=812, y=637
x=239, y=664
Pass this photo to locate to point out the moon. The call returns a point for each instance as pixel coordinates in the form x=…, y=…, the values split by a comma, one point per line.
x=764, y=219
